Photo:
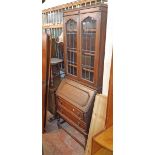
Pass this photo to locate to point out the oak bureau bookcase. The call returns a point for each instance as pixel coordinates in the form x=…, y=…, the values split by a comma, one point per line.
x=84, y=48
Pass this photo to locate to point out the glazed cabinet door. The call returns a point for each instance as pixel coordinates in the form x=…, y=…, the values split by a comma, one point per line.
x=89, y=47
x=71, y=46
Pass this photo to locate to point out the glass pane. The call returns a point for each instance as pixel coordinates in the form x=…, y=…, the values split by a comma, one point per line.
x=88, y=35
x=89, y=24
x=71, y=55
x=72, y=70
x=71, y=36
x=87, y=75
x=71, y=25
x=71, y=40
x=88, y=41
x=88, y=61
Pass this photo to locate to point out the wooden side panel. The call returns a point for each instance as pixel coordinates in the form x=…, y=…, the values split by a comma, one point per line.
x=45, y=75
x=44, y=67
x=109, y=119
x=44, y=55
x=102, y=50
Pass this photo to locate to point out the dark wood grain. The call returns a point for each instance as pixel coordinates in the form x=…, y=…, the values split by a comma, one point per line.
x=45, y=75
x=99, y=14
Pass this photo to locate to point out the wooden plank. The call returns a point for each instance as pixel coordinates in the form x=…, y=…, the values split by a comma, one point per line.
x=97, y=121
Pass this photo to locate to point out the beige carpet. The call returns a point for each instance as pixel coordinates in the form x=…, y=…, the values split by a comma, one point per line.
x=58, y=142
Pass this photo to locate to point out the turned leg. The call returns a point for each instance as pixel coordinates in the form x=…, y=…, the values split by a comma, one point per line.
x=58, y=121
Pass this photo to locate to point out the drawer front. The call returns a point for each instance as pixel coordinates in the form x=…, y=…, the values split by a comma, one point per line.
x=70, y=107
x=71, y=116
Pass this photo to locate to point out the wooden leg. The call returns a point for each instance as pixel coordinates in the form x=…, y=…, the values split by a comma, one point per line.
x=86, y=137
x=59, y=124
x=58, y=121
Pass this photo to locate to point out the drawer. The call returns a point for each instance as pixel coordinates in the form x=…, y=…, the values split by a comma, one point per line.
x=70, y=107
x=64, y=111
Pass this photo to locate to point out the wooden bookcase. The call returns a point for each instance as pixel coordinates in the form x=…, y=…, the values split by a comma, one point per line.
x=84, y=44
x=84, y=47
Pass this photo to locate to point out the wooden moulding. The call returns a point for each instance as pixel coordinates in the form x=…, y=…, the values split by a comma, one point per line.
x=98, y=120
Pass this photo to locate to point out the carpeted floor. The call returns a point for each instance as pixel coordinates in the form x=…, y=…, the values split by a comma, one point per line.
x=58, y=142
